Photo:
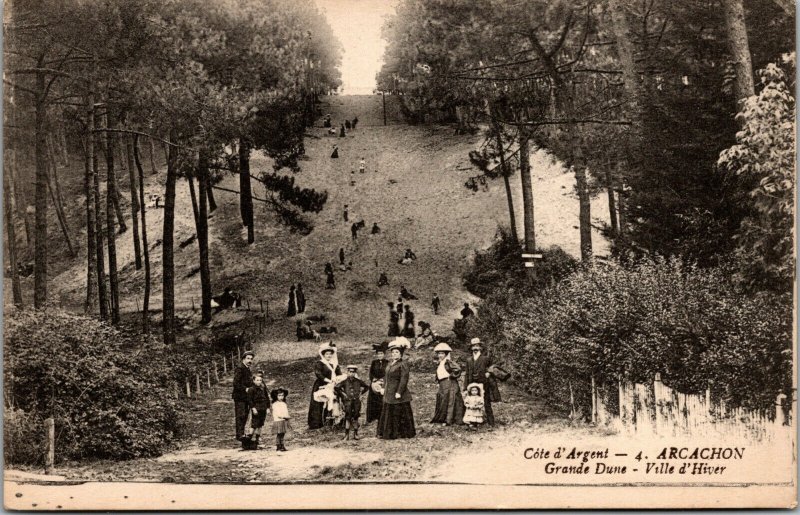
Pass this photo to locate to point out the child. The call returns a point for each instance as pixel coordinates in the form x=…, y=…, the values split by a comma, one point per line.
x=351, y=390
x=473, y=400
x=280, y=416
x=258, y=400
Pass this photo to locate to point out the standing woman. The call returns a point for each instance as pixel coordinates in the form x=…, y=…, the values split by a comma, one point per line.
x=409, y=331
x=397, y=418
x=394, y=320
x=377, y=370
x=326, y=370
x=449, y=404
x=292, y=310
x=301, y=299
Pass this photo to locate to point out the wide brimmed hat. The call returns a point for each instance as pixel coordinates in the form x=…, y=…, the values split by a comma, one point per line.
x=326, y=347
x=470, y=386
x=274, y=393
x=379, y=347
x=352, y=367
x=442, y=347
x=475, y=342
x=401, y=342
x=248, y=353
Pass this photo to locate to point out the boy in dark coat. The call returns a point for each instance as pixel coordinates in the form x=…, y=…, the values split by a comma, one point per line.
x=258, y=400
x=242, y=380
x=351, y=390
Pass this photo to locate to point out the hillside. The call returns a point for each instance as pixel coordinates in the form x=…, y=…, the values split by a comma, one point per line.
x=413, y=188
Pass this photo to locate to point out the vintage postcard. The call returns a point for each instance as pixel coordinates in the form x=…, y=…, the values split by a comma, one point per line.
x=399, y=254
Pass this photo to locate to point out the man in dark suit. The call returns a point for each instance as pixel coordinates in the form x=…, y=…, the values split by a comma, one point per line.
x=242, y=380
x=477, y=371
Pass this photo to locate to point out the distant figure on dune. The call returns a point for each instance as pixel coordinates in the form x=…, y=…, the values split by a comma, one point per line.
x=328, y=268
x=383, y=280
x=375, y=228
x=355, y=122
x=335, y=153
x=407, y=295
x=331, y=283
x=292, y=309
x=394, y=319
x=301, y=299
x=345, y=214
x=347, y=124
x=341, y=131
x=327, y=121
x=409, y=331
x=408, y=258
x=436, y=304
x=467, y=311
x=227, y=300
x=341, y=255
x=362, y=165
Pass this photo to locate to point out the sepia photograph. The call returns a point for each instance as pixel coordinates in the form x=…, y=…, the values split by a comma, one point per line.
x=399, y=254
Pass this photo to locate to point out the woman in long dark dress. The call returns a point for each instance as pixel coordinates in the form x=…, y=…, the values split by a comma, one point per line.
x=301, y=299
x=394, y=319
x=409, y=331
x=326, y=370
x=397, y=418
x=292, y=309
x=449, y=403
x=376, y=372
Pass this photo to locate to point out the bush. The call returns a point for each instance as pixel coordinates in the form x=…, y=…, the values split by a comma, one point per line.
x=500, y=267
x=691, y=325
x=23, y=437
x=107, y=391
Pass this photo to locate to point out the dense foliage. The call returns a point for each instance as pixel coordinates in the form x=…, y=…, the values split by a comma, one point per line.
x=109, y=392
x=500, y=268
x=689, y=324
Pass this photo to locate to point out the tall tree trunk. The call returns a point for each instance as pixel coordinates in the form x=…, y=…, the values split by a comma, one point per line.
x=245, y=192
x=17, y=200
x=612, y=204
x=585, y=207
x=193, y=196
x=212, y=202
x=62, y=139
x=506, y=182
x=137, y=249
x=111, y=193
x=40, y=255
x=102, y=294
x=153, y=157
x=168, y=245
x=91, y=215
x=739, y=47
x=11, y=233
x=55, y=196
x=527, y=195
x=145, y=249
x=113, y=177
x=202, y=236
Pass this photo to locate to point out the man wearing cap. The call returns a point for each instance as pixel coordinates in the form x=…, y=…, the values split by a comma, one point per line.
x=477, y=371
x=351, y=390
x=242, y=380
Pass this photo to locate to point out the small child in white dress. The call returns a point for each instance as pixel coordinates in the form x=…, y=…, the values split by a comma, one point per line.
x=473, y=401
x=280, y=416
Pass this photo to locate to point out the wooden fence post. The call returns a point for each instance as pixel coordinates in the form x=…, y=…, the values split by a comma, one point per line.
x=224, y=364
x=197, y=383
x=708, y=401
x=216, y=372
x=208, y=377
x=657, y=396
x=50, y=458
x=594, y=401
x=262, y=305
x=780, y=416
x=188, y=389
x=193, y=308
x=571, y=400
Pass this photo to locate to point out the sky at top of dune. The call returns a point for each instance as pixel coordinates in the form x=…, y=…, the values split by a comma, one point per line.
x=357, y=24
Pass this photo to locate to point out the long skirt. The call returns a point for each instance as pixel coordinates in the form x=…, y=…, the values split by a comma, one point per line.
x=374, y=406
x=397, y=421
x=449, y=404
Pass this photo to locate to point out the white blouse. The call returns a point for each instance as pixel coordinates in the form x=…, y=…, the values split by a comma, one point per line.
x=441, y=372
x=279, y=411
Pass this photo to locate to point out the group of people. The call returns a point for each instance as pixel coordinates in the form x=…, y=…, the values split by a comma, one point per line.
x=297, y=301
x=401, y=320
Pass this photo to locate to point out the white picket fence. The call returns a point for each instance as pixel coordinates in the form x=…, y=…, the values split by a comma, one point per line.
x=658, y=409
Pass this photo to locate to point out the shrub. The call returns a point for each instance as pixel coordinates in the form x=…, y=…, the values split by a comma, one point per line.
x=500, y=267
x=23, y=437
x=107, y=391
x=691, y=325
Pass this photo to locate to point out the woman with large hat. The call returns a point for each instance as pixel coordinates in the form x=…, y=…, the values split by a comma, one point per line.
x=326, y=371
x=377, y=370
x=397, y=418
x=449, y=403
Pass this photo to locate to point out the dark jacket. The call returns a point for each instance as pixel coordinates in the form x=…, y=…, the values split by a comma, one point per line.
x=475, y=372
x=258, y=397
x=396, y=381
x=242, y=380
x=323, y=374
x=453, y=368
x=377, y=369
x=351, y=388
